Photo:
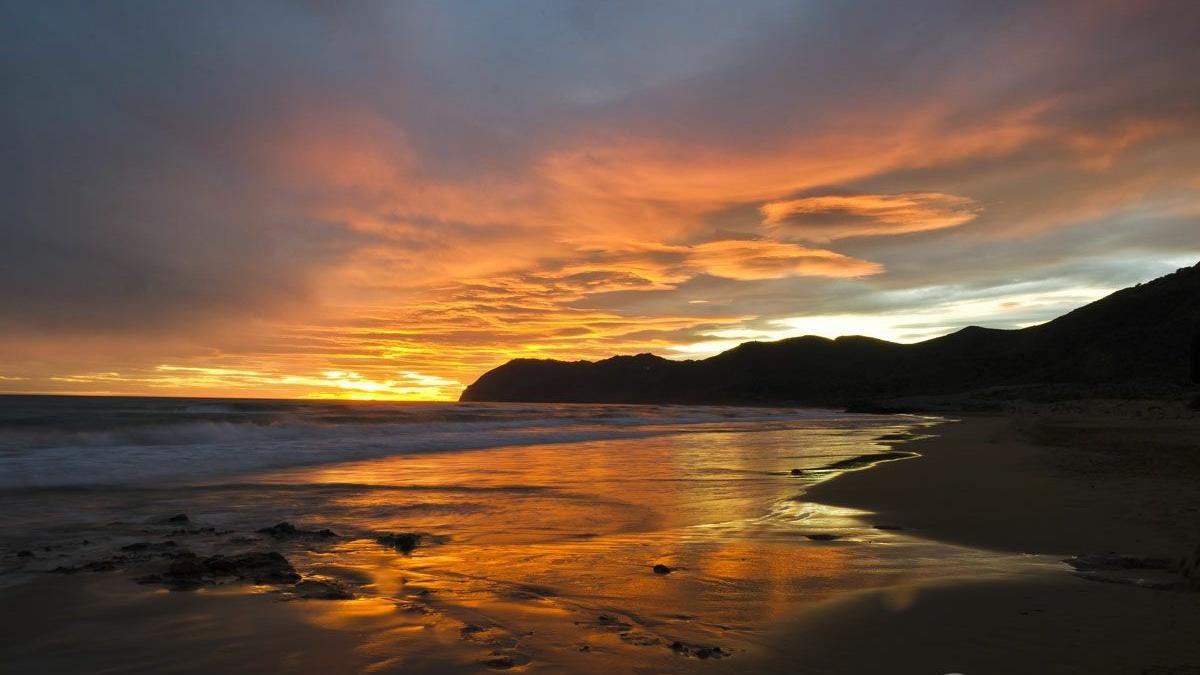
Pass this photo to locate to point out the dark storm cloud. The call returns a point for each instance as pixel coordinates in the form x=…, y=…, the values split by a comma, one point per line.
x=124, y=204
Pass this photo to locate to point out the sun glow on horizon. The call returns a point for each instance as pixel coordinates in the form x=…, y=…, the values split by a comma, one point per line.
x=391, y=221
x=231, y=382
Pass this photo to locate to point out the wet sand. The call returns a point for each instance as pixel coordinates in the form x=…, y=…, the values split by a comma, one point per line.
x=1059, y=485
x=1051, y=624
x=540, y=560
x=1042, y=485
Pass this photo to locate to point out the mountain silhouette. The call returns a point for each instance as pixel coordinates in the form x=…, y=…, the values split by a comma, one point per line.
x=1137, y=342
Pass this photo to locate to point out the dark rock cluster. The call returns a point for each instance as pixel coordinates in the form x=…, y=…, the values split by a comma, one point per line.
x=698, y=651
x=190, y=571
x=177, y=568
x=405, y=542
x=285, y=530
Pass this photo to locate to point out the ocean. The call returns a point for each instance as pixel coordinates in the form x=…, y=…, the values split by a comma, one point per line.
x=54, y=441
x=539, y=525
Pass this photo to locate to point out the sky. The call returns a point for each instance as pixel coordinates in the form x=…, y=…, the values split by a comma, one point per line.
x=385, y=200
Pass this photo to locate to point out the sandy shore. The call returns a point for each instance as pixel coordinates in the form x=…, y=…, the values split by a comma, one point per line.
x=1047, y=625
x=1032, y=484
x=1065, y=485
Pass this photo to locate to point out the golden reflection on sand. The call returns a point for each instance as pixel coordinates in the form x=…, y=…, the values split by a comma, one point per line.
x=544, y=553
x=542, y=557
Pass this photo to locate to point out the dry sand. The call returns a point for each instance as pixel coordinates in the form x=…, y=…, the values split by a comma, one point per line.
x=1034, y=484
x=1106, y=484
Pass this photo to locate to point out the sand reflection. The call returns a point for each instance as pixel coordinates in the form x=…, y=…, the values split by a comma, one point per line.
x=539, y=557
x=544, y=554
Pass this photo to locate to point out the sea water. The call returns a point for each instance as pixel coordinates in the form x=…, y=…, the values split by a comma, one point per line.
x=540, y=524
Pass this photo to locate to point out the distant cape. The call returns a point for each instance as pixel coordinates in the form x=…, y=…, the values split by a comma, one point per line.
x=1135, y=343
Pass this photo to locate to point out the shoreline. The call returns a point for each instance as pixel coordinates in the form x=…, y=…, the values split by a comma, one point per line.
x=580, y=604
x=995, y=482
x=1073, y=497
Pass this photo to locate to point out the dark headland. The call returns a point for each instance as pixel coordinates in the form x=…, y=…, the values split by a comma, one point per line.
x=1138, y=343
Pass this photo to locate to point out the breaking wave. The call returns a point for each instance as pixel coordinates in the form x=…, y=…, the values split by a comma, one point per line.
x=53, y=441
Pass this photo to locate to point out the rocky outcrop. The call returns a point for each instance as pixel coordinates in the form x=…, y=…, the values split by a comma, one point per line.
x=285, y=530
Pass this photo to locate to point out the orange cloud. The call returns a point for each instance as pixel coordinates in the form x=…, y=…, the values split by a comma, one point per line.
x=652, y=266
x=828, y=217
x=765, y=259
x=476, y=235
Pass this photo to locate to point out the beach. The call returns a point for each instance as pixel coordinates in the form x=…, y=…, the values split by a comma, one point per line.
x=1107, y=483
x=788, y=540
x=579, y=337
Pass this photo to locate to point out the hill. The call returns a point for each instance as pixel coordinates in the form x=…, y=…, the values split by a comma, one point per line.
x=1135, y=343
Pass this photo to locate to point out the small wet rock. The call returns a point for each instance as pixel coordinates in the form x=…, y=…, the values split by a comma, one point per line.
x=314, y=589
x=822, y=537
x=698, y=651
x=404, y=542
x=280, y=529
x=285, y=530
x=797, y=472
x=93, y=566
x=507, y=661
x=146, y=546
x=25, y=554
x=186, y=568
x=261, y=568
x=888, y=527
x=220, y=566
x=662, y=569
x=179, y=518
x=500, y=663
x=184, y=531
x=608, y=622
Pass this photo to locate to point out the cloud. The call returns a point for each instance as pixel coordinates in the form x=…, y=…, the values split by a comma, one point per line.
x=827, y=217
x=765, y=259
x=433, y=188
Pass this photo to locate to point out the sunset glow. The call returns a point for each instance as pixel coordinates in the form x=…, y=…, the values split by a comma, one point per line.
x=706, y=337
x=385, y=204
